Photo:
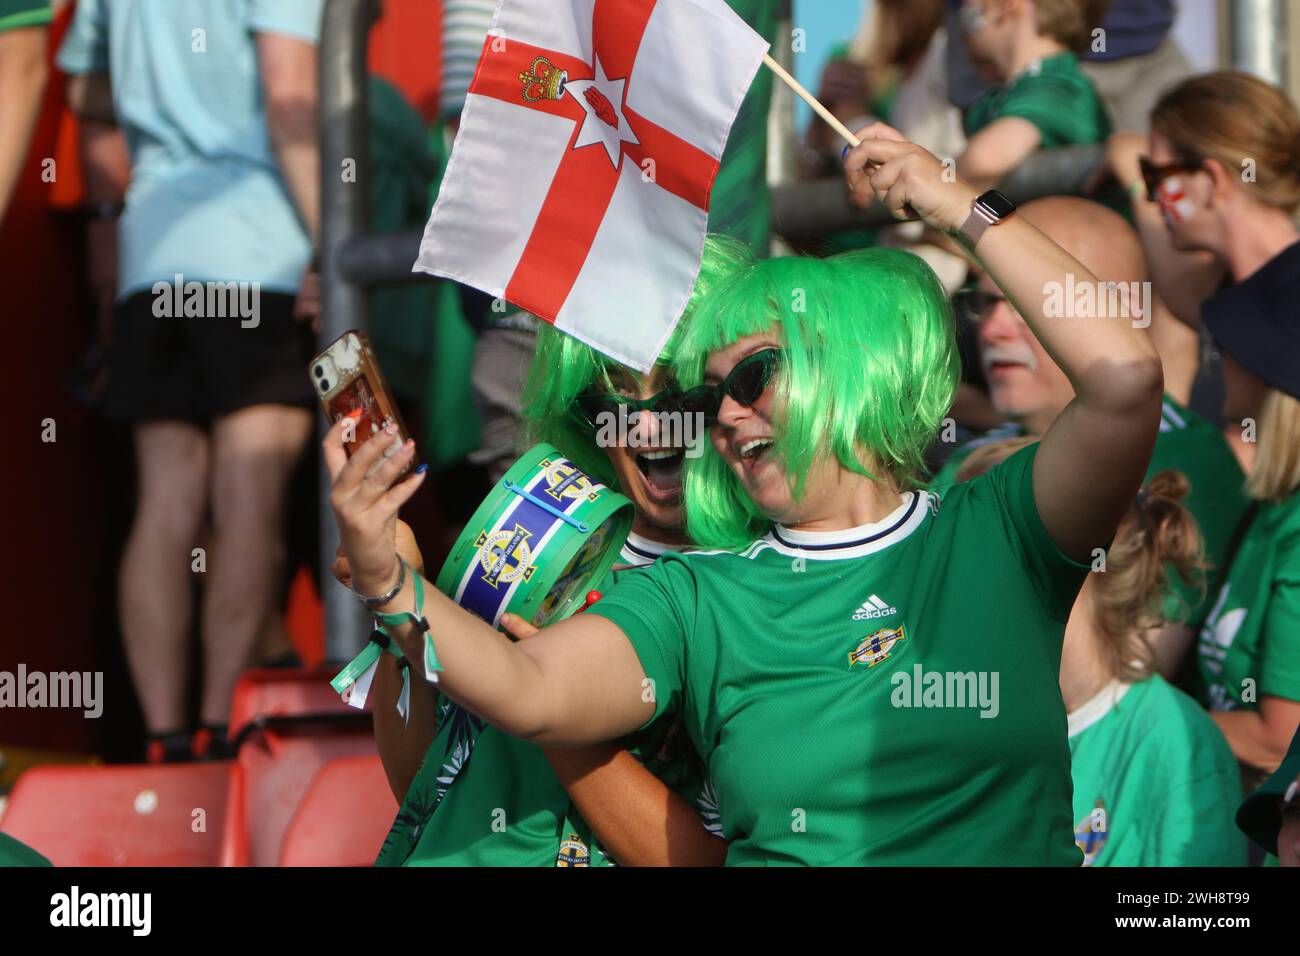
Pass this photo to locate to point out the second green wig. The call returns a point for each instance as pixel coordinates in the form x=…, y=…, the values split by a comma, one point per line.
x=870, y=369
x=564, y=368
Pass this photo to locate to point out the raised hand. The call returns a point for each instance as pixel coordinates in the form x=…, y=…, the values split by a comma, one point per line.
x=365, y=505
x=909, y=180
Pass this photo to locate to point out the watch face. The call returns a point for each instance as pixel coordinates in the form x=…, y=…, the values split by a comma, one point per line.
x=997, y=204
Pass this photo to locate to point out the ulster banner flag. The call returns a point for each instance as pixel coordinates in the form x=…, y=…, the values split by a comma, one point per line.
x=578, y=187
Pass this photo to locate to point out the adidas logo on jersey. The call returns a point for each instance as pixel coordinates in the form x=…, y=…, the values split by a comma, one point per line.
x=873, y=608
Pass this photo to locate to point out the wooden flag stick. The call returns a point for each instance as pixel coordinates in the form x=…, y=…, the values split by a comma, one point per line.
x=811, y=100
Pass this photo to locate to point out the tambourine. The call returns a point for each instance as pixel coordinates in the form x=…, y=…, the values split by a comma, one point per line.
x=545, y=535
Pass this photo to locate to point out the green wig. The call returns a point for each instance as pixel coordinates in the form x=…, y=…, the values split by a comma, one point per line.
x=870, y=370
x=564, y=368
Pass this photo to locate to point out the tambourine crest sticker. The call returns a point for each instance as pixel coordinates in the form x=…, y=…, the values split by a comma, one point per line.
x=505, y=555
x=565, y=481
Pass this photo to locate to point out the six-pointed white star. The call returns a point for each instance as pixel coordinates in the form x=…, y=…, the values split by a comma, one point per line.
x=594, y=129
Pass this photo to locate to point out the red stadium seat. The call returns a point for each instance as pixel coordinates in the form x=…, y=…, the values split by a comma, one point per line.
x=343, y=818
x=284, y=725
x=145, y=815
x=286, y=692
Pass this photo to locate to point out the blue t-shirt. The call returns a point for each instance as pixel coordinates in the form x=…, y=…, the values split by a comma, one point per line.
x=207, y=199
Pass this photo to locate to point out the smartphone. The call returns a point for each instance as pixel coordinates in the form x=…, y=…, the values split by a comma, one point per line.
x=347, y=378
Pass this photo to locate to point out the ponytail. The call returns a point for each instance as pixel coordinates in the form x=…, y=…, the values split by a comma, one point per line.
x=1158, y=538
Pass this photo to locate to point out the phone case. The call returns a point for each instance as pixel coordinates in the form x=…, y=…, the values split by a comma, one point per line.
x=347, y=378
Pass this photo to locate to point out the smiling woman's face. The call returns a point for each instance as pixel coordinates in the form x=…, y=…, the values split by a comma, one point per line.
x=651, y=476
x=744, y=436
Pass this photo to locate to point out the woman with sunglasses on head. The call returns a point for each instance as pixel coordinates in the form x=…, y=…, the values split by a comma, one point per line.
x=1219, y=190
x=870, y=675
x=640, y=801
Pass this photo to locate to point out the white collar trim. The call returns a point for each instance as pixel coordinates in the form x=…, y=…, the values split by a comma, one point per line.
x=855, y=542
x=1097, y=707
x=645, y=547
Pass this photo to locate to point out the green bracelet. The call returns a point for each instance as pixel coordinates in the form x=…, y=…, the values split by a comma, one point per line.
x=416, y=617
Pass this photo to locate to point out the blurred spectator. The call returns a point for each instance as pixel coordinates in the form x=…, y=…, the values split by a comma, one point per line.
x=894, y=71
x=1043, y=99
x=1028, y=387
x=216, y=100
x=23, y=28
x=1154, y=781
x=1133, y=59
x=1223, y=180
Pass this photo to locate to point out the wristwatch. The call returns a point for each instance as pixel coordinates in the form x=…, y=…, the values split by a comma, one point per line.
x=989, y=209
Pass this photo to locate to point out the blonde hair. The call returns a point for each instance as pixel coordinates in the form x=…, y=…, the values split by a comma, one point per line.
x=1158, y=537
x=1065, y=21
x=1276, y=473
x=1233, y=118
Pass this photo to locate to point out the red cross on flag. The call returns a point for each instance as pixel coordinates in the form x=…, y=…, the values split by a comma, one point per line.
x=578, y=187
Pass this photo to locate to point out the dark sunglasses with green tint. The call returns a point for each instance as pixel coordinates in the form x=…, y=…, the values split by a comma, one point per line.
x=745, y=384
x=596, y=409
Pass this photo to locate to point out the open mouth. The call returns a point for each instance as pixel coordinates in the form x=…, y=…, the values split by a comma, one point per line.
x=753, y=451
x=662, y=470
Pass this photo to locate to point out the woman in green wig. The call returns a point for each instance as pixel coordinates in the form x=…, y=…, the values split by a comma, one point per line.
x=869, y=673
x=639, y=801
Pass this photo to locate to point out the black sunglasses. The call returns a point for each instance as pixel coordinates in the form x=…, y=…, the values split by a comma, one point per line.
x=745, y=383
x=596, y=409
x=1153, y=175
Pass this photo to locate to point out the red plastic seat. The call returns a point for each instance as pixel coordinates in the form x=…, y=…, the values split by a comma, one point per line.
x=344, y=816
x=285, y=724
x=287, y=692
x=137, y=815
x=273, y=770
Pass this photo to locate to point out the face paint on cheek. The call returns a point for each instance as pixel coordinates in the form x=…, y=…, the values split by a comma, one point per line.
x=1173, y=200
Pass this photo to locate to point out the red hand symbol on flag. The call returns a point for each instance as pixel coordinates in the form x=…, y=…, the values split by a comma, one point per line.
x=601, y=104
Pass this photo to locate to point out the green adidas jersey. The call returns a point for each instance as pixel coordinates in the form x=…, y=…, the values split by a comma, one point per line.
x=1189, y=443
x=882, y=695
x=1052, y=93
x=1250, y=644
x=498, y=801
x=1155, y=783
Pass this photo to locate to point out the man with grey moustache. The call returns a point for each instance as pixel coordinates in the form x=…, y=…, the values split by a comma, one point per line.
x=1028, y=388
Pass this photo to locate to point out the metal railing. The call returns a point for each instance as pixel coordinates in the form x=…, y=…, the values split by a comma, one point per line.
x=345, y=216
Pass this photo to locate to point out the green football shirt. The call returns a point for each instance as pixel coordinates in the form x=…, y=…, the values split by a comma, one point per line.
x=1189, y=443
x=1155, y=783
x=883, y=695
x=498, y=801
x=24, y=13
x=1250, y=644
x=1052, y=93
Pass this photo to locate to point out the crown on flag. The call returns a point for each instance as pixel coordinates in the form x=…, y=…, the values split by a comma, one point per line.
x=543, y=81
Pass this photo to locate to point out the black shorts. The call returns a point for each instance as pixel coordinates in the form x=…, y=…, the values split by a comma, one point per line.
x=197, y=368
